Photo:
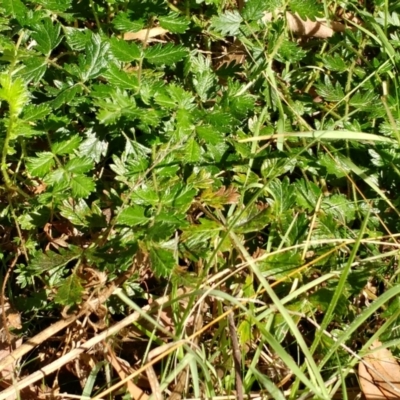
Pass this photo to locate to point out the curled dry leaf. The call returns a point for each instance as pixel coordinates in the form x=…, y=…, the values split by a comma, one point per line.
x=319, y=28
x=379, y=375
x=146, y=34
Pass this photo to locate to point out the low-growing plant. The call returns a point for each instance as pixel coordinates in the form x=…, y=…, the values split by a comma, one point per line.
x=210, y=146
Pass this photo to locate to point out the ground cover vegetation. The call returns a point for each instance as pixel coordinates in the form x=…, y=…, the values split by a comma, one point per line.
x=208, y=187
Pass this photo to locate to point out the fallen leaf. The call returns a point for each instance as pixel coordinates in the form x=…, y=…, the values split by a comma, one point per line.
x=145, y=34
x=318, y=28
x=379, y=374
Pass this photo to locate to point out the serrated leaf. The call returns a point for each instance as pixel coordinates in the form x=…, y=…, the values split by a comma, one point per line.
x=40, y=165
x=179, y=197
x=66, y=96
x=79, y=165
x=95, y=60
x=330, y=92
x=132, y=216
x=174, y=23
x=50, y=260
x=192, y=151
x=93, y=147
x=252, y=220
x=76, y=211
x=306, y=9
x=66, y=146
x=335, y=63
x=124, y=23
x=254, y=10
x=34, y=69
x=81, y=186
x=47, y=36
x=121, y=79
x=281, y=264
x=165, y=54
x=283, y=195
x=227, y=23
x=124, y=51
x=70, y=291
x=34, y=112
x=205, y=85
x=15, y=8
x=77, y=39
x=55, y=5
x=14, y=92
x=162, y=261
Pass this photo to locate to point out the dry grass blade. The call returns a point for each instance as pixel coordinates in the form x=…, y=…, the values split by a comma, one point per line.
x=380, y=375
x=135, y=392
x=54, y=366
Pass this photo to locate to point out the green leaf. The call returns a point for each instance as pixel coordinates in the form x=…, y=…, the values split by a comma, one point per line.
x=121, y=79
x=179, y=196
x=77, y=39
x=174, y=23
x=93, y=147
x=58, y=6
x=34, y=69
x=124, y=51
x=34, y=112
x=79, y=165
x=253, y=10
x=66, y=96
x=227, y=23
x=283, y=195
x=280, y=264
x=40, y=165
x=15, y=8
x=95, y=60
x=251, y=220
x=334, y=63
x=322, y=298
x=122, y=104
x=124, y=23
x=47, y=36
x=76, y=211
x=81, y=186
x=165, y=54
x=70, y=291
x=306, y=9
x=205, y=84
x=65, y=146
x=330, y=92
x=132, y=216
x=46, y=261
x=290, y=51
x=14, y=92
x=162, y=261
x=192, y=151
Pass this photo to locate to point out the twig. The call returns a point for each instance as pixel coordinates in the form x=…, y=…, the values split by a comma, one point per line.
x=2, y=300
x=237, y=358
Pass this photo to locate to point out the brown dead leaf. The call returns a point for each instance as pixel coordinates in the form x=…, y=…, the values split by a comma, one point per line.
x=319, y=28
x=379, y=375
x=146, y=34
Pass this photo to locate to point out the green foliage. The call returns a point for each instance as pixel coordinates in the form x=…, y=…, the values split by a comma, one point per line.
x=227, y=155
